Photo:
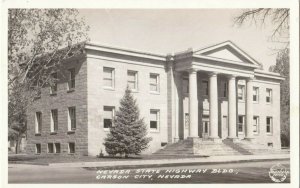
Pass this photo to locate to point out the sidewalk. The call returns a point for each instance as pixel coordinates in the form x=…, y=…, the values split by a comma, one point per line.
x=173, y=162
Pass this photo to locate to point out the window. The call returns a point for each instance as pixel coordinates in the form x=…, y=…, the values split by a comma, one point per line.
x=255, y=94
x=205, y=87
x=185, y=85
x=71, y=82
x=268, y=95
x=241, y=92
x=269, y=124
x=72, y=118
x=108, y=77
x=241, y=124
x=225, y=89
x=71, y=147
x=53, y=88
x=108, y=116
x=57, y=147
x=154, y=119
x=205, y=128
x=54, y=120
x=187, y=119
x=50, y=148
x=154, y=82
x=38, y=148
x=255, y=124
x=132, y=80
x=38, y=122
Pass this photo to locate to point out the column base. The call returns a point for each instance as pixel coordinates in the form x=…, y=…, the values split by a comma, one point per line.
x=215, y=139
x=249, y=139
x=233, y=139
x=176, y=140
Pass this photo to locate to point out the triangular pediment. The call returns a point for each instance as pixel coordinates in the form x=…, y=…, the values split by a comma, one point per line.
x=227, y=51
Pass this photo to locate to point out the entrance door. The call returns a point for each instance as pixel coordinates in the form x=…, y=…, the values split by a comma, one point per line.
x=205, y=128
x=224, y=127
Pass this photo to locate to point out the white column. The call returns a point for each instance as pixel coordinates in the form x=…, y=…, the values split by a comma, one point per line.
x=232, y=107
x=249, y=109
x=193, y=104
x=213, y=106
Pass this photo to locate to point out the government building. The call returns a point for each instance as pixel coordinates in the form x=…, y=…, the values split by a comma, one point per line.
x=212, y=101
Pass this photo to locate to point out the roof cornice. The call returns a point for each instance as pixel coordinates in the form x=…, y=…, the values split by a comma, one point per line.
x=117, y=50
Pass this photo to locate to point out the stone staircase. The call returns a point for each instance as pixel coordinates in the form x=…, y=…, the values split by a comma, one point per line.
x=258, y=148
x=194, y=147
x=202, y=147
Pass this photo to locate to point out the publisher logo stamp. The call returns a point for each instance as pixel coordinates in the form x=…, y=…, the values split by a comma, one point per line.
x=278, y=173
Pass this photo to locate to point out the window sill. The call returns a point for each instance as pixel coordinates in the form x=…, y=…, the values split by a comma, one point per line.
x=154, y=131
x=154, y=93
x=53, y=94
x=109, y=88
x=70, y=90
x=241, y=101
x=71, y=132
x=268, y=103
x=269, y=134
x=37, y=134
x=53, y=133
x=255, y=102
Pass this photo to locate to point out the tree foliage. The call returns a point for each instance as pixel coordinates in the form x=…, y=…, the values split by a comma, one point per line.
x=282, y=67
x=277, y=18
x=39, y=40
x=128, y=135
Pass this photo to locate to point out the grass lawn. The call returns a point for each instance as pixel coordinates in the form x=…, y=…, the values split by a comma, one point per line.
x=46, y=159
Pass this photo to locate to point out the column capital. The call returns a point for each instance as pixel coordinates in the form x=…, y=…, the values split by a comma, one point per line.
x=249, y=79
x=192, y=71
x=211, y=74
x=231, y=76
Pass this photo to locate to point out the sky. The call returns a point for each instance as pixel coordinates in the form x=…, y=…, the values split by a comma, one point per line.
x=165, y=31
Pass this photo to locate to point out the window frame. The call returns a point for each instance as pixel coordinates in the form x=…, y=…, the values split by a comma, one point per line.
x=187, y=88
x=69, y=148
x=36, y=148
x=157, y=111
x=205, y=90
x=38, y=122
x=53, y=125
x=71, y=79
x=157, y=84
x=71, y=127
x=48, y=148
x=256, y=91
x=112, y=79
x=224, y=89
x=54, y=92
x=269, y=92
x=243, y=124
x=113, y=115
x=243, y=93
x=135, y=80
x=271, y=125
x=55, y=147
x=256, y=124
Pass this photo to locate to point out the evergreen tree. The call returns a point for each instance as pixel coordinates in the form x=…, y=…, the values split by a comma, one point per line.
x=128, y=133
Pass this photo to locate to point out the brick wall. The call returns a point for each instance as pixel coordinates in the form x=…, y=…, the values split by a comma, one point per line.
x=61, y=101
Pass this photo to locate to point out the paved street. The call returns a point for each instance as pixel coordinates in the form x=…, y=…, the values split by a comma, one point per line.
x=244, y=172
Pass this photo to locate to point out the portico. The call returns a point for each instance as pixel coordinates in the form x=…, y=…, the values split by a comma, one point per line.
x=211, y=64
x=214, y=107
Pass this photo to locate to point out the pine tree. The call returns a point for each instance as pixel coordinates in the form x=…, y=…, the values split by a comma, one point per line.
x=128, y=134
